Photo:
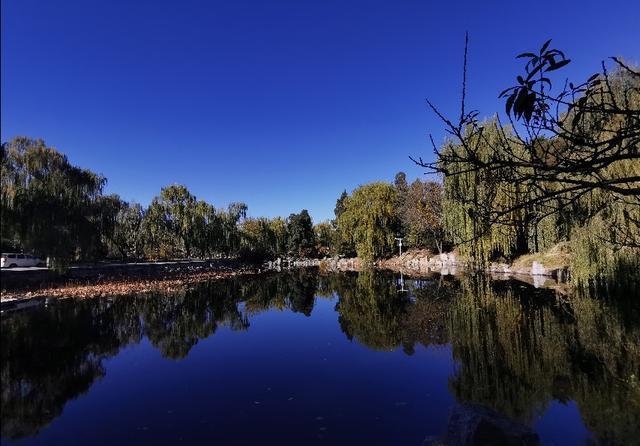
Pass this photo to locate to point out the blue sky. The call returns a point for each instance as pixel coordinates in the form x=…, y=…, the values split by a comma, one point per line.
x=280, y=104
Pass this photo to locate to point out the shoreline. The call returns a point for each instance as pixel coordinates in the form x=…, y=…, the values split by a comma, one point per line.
x=110, y=280
x=120, y=279
x=527, y=269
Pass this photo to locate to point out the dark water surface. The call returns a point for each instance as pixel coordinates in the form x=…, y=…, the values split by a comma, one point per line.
x=306, y=358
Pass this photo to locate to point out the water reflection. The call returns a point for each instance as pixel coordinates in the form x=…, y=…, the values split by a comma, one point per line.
x=372, y=311
x=518, y=349
x=515, y=349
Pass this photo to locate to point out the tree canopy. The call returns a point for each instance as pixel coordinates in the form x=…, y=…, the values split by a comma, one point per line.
x=370, y=220
x=48, y=205
x=55, y=209
x=566, y=167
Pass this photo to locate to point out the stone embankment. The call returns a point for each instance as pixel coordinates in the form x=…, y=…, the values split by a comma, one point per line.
x=411, y=262
x=290, y=262
x=424, y=261
x=336, y=264
x=537, y=269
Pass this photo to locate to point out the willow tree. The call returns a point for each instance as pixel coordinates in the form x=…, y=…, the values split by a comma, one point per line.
x=370, y=220
x=325, y=237
x=170, y=222
x=208, y=229
x=605, y=222
x=342, y=241
x=569, y=155
x=257, y=240
x=233, y=216
x=105, y=220
x=126, y=238
x=177, y=224
x=48, y=204
x=278, y=227
x=470, y=195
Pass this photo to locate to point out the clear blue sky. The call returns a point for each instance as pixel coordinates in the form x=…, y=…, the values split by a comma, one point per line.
x=280, y=104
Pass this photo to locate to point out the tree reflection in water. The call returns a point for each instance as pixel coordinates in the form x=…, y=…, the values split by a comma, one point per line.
x=515, y=348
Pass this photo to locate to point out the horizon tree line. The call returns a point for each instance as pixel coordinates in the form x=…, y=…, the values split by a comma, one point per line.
x=51, y=208
x=54, y=209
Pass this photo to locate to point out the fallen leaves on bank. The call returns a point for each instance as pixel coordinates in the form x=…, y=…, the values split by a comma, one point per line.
x=123, y=286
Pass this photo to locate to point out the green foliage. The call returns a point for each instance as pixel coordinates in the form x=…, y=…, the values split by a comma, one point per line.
x=602, y=226
x=264, y=238
x=176, y=224
x=302, y=239
x=54, y=209
x=259, y=241
x=342, y=240
x=341, y=204
x=158, y=242
x=126, y=239
x=278, y=228
x=49, y=206
x=402, y=188
x=325, y=233
x=469, y=192
x=597, y=258
x=234, y=215
x=178, y=209
x=370, y=220
x=108, y=207
x=421, y=215
x=568, y=168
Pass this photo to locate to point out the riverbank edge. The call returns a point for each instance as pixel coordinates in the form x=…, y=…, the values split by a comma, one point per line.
x=118, y=279
x=121, y=279
x=540, y=270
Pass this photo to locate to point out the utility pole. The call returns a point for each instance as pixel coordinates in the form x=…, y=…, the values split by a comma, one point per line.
x=399, y=239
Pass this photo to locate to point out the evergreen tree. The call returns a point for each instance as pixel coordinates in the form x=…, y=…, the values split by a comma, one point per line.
x=301, y=236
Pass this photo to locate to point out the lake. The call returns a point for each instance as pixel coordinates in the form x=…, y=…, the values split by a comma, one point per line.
x=309, y=358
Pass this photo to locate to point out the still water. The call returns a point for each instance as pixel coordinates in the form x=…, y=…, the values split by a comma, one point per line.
x=307, y=358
